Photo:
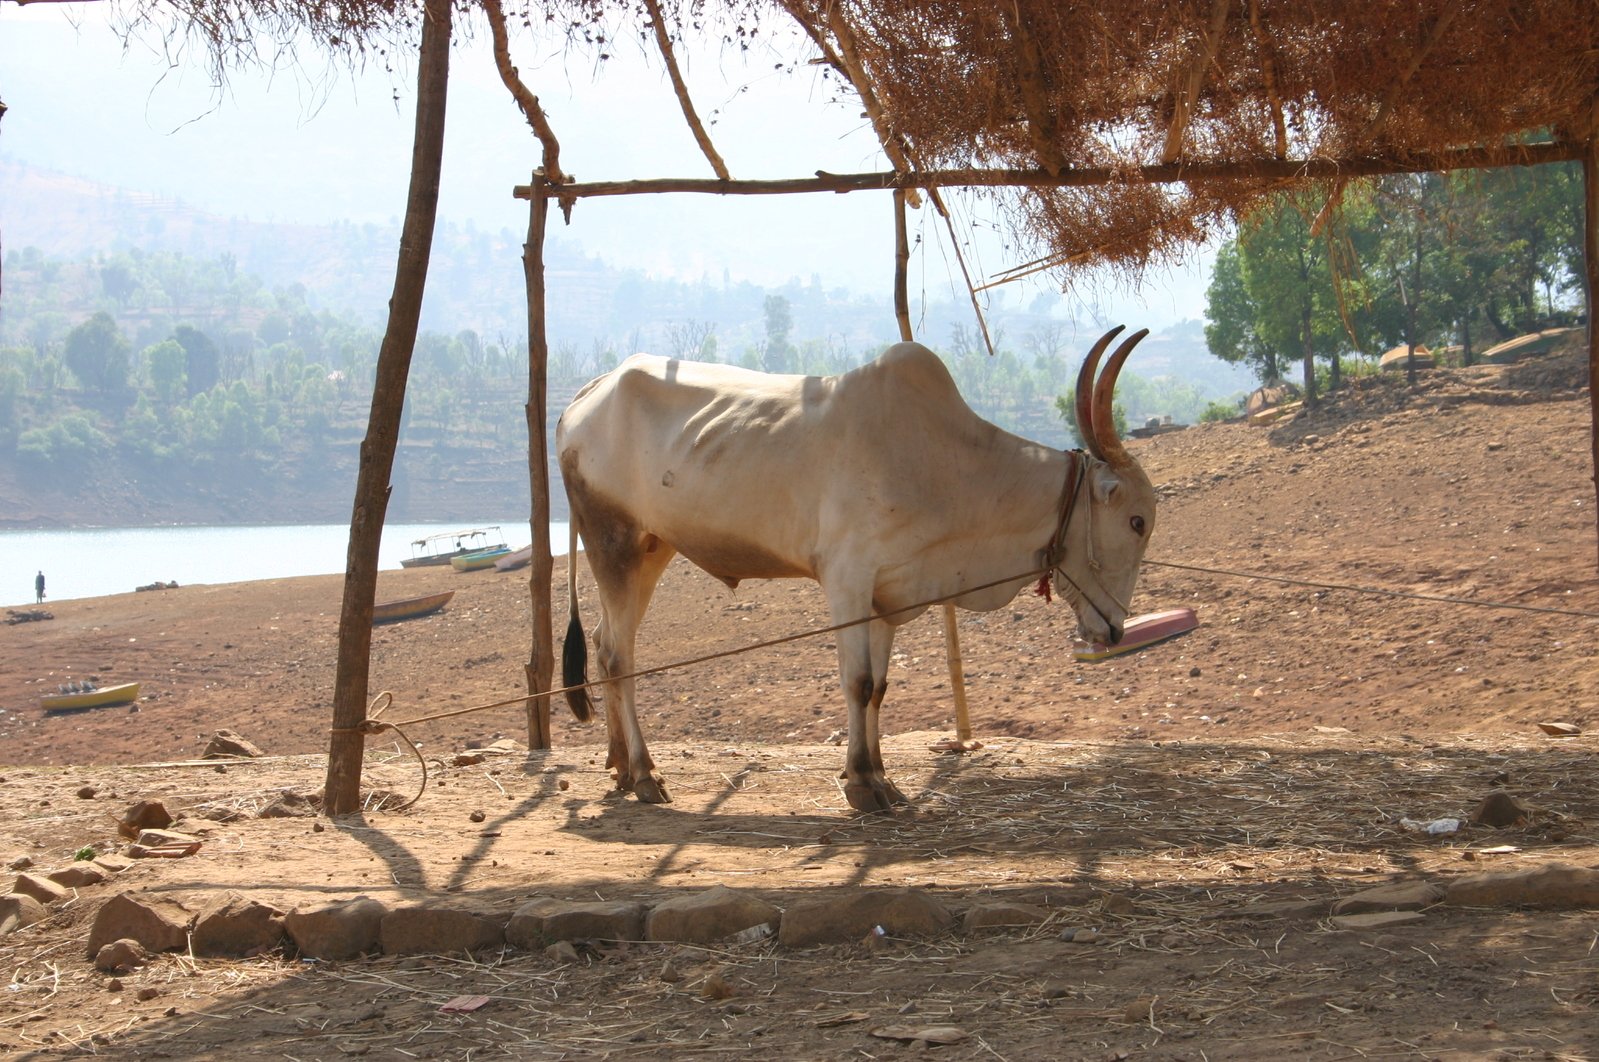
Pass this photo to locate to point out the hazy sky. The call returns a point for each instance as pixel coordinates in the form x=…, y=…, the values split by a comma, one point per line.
x=326, y=145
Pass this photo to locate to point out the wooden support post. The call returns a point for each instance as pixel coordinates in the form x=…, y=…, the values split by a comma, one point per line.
x=1590, y=186
x=902, y=313
x=541, y=661
x=342, y=788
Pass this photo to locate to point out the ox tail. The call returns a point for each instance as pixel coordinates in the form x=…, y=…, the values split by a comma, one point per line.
x=575, y=650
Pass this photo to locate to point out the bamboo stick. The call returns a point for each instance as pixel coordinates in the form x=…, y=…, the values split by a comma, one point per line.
x=540, y=669
x=679, y=86
x=1033, y=84
x=1590, y=183
x=1475, y=158
x=1193, y=79
x=347, y=744
x=1268, y=75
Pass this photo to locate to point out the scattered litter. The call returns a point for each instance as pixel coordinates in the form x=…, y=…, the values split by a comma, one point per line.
x=464, y=1004
x=1435, y=827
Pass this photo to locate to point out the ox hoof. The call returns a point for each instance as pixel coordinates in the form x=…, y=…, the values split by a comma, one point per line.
x=875, y=796
x=651, y=790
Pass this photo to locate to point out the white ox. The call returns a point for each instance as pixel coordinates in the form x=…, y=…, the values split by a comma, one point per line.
x=880, y=484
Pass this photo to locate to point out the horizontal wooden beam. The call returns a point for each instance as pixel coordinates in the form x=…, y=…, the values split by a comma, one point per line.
x=1164, y=173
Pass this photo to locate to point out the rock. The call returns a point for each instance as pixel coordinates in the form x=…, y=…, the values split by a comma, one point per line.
x=562, y=953
x=20, y=863
x=111, y=863
x=87, y=792
x=438, y=931
x=1500, y=809
x=339, y=930
x=225, y=744
x=163, y=843
x=40, y=888
x=1081, y=935
x=525, y=929
x=468, y=759
x=1277, y=909
x=543, y=921
x=78, y=875
x=839, y=918
x=1560, y=729
x=144, y=815
x=710, y=916
x=1413, y=896
x=923, y=1034
x=234, y=927
x=1003, y=915
x=715, y=986
x=1377, y=919
x=289, y=804
x=1558, y=887
x=122, y=956
x=18, y=911
x=159, y=924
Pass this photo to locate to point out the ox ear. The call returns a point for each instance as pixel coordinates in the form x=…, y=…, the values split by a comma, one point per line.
x=1103, y=483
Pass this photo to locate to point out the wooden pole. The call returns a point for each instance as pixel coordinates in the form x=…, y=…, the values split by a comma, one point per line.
x=541, y=661
x=902, y=313
x=1089, y=176
x=1590, y=185
x=342, y=789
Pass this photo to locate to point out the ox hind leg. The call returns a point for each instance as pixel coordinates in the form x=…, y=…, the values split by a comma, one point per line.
x=863, y=654
x=626, y=568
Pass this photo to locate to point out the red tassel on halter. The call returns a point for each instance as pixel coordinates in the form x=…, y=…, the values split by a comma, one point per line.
x=1042, y=589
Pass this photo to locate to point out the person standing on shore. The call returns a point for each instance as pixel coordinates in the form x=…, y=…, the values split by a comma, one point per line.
x=38, y=589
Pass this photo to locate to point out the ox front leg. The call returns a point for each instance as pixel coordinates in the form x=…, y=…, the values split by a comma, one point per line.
x=863, y=666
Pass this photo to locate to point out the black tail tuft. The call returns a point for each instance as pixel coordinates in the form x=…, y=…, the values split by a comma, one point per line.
x=575, y=670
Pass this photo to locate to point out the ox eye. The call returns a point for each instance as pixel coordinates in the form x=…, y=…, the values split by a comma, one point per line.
x=1138, y=526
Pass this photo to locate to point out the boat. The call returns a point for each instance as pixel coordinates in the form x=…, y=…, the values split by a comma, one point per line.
x=78, y=696
x=444, y=547
x=510, y=562
x=1140, y=632
x=483, y=558
x=409, y=607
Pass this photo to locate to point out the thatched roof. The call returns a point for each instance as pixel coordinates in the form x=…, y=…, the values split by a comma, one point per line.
x=1208, y=87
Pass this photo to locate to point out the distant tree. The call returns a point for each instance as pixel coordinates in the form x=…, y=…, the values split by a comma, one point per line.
x=70, y=446
x=778, y=352
x=166, y=365
x=202, y=361
x=11, y=385
x=97, y=353
x=118, y=280
x=1066, y=408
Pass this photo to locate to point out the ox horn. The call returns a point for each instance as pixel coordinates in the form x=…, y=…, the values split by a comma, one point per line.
x=1085, y=394
x=1112, y=452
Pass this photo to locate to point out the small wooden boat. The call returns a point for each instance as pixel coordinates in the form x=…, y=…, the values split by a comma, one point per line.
x=1141, y=632
x=483, y=558
x=409, y=607
x=512, y=561
x=442, y=548
x=72, y=700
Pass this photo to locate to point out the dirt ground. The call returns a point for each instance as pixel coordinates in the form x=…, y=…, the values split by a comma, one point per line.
x=1161, y=798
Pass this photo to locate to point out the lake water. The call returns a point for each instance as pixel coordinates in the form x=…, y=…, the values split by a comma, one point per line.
x=100, y=561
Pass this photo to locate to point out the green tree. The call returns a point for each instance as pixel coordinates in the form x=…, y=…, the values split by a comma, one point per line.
x=97, y=354
x=1066, y=408
x=202, y=361
x=779, y=352
x=166, y=363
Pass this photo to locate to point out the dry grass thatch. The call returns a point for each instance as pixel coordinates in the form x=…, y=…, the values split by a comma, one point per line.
x=1062, y=86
